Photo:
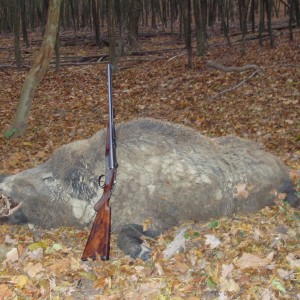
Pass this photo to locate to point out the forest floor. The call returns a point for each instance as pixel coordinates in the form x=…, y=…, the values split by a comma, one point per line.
x=243, y=257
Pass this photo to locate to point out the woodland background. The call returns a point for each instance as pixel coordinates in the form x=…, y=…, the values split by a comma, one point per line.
x=221, y=67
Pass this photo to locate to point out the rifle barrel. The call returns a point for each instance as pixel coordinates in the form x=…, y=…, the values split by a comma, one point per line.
x=111, y=118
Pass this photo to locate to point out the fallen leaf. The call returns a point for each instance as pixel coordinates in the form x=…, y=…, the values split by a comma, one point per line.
x=36, y=254
x=33, y=269
x=278, y=285
x=293, y=260
x=181, y=267
x=226, y=270
x=241, y=191
x=5, y=292
x=20, y=281
x=228, y=285
x=12, y=255
x=87, y=275
x=9, y=240
x=267, y=295
x=37, y=245
x=211, y=283
x=212, y=241
x=159, y=269
x=284, y=274
x=251, y=261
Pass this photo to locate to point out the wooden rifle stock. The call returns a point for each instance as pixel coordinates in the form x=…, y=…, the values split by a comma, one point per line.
x=98, y=243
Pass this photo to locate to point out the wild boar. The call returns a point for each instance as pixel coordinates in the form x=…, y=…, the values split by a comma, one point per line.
x=167, y=173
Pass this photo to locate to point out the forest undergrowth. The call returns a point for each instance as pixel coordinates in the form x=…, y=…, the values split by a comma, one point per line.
x=242, y=257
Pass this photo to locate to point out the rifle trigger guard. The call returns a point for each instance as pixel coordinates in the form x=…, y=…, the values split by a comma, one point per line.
x=99, y=181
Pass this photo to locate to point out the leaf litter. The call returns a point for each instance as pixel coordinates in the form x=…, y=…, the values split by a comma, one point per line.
x=241, y=257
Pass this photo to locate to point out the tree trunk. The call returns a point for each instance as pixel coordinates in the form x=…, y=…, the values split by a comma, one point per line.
x=269, y=4
x=252, y=14
x=164, y=14
x=292, y=4
x=187, y=15
x=96, y=21
x=57, y=49
x=200, y=26
x=133, y=24
x=172, y=12
x=261, y=21
x=297, y=10
x=15, y=14
x=73, y=20
x=111, y=31
x=38, y=69
x=227, y=14
x=153, y=14
x=24, y=22
x=212, y=12
x=243, y=9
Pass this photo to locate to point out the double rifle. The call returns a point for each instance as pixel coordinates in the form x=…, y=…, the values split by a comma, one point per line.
x=98, y=243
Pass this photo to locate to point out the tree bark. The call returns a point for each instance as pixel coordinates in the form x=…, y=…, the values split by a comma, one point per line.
x=200, y=16
x=15, y=12
x=96, y=21
x=269, y=4
x=243, y=9
x=133, y=24
x=111, y=31
x=261, y=21
x=297, y=10
x=38, y=69
x=24, y=22
x=187, y=23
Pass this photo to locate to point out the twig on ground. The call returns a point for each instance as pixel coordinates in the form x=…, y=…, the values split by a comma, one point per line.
x=3, y=70
x=233, y=69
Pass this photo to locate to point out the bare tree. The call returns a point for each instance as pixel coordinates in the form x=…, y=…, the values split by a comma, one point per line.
x=15, y=12
x=37, y=71
x=133, y=24
x=111, y=31
x=200, y=13
x=187, y=23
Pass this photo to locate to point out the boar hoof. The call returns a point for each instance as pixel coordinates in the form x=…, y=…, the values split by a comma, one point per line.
x=131, y=243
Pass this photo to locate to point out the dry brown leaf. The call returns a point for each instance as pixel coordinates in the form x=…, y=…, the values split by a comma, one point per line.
x=241, y=191
x=12, y=255
x=6, y=292
x=294, y=260
x=251, y=261
x=228, y=285
x=226, y=270
x=33, y=269
x=181, y=267
x=212, y=241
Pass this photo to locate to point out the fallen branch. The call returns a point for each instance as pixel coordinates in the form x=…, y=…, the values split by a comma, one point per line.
x=233, y=69
x=217, y=66
x=158, y=51
x=3, y=70
x=99, y=62
x=177, y=245
x=14, y=67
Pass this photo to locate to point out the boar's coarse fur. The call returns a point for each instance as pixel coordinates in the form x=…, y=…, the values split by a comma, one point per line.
x=167, y=173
